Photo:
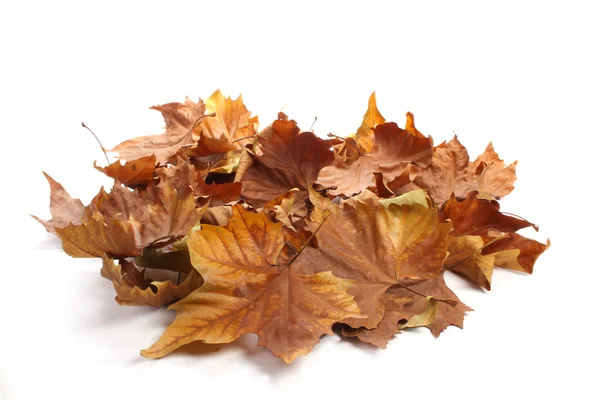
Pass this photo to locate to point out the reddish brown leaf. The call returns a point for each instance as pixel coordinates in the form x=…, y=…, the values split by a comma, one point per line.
x=474, y=216
x=289, y=160
x=219, y=194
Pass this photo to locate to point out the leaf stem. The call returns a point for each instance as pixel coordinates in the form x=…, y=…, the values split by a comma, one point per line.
x=347, y=141
x=313, y=125
x=326, y=215
x=100, y=143
x=243, y=138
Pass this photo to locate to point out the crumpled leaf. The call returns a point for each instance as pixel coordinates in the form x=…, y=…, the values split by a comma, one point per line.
x=133, y=289
x=181, y=121
x=394, y=149
x=289, y=160
x=246, y=291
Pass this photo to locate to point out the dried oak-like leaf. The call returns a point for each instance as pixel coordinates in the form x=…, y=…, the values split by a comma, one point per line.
x=246, y=291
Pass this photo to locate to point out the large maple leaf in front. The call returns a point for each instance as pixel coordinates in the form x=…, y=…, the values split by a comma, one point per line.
x=246, y=290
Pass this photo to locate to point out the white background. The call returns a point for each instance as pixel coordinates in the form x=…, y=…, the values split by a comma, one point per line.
x=523, y=74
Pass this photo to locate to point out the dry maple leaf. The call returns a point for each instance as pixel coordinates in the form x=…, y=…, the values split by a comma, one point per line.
x=489, y=176
x=181, y=121
x=378, y=247
x=133, y=289
x=394, y=149
x=289, y=160
x=245, y=291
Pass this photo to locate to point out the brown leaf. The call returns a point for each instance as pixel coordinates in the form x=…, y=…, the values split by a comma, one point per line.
x=64, y=209
x=429, y=303
x=489, y=176
x=245, y=292
x=466, y=259
x=378, y=247
x=181, y=121
x=516, y=252
x=133, y=289
x=219, y=194
x=395, y=311
x=231, y=128
x=394, y=149
x=474, y=216
x=125, y=221
x=289, y=208
x=133, y=173
x=289, y=160
x=450, y=310
x=447, y=173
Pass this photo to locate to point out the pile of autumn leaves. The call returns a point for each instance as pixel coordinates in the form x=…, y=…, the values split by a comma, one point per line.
x=283, y=234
